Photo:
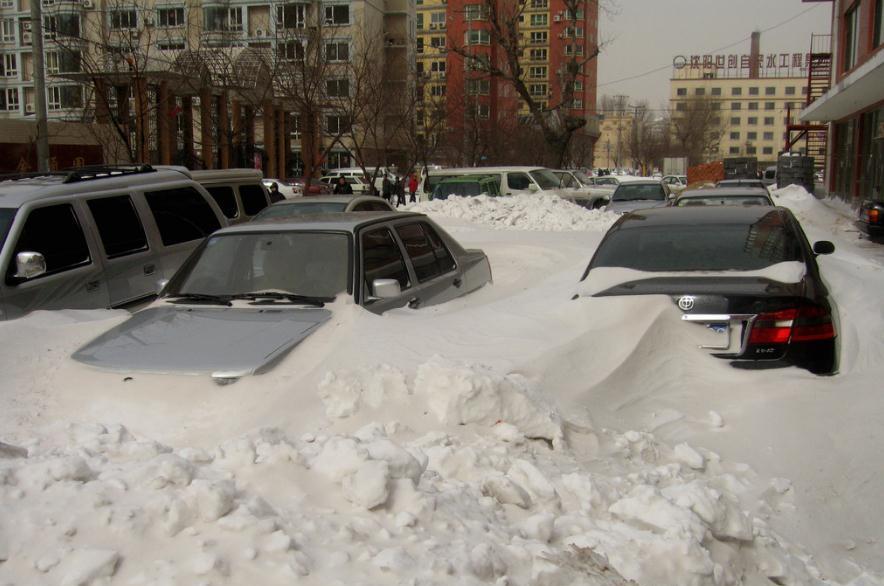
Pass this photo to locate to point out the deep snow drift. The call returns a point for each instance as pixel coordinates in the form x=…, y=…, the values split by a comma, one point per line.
x=516, y=436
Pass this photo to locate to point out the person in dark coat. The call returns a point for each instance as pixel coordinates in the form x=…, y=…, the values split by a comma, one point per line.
x=275, y=195
x=387, y=189
x=342, y=187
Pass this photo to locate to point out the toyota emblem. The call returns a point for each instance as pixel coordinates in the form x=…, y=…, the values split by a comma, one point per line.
x=686, y=303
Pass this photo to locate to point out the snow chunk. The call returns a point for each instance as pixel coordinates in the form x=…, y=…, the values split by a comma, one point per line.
x=84, y=566
x=367, y=486
x=689, y=456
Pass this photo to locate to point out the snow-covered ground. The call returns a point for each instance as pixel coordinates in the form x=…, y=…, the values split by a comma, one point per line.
x=516, y=436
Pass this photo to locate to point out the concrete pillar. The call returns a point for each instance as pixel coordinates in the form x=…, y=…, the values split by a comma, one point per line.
x=283, y=144
x=269, y=117
x=142, y=125
x=207, y=130
x=223, y=133
x=165, y=123
x=187, y=128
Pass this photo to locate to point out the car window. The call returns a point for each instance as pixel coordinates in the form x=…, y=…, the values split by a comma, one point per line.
x=566, y=180
x=54, y=232
x=421, y=251
x=545, y=178
x=724, y=201
x=443, y=255
x=296, y=208
x=639, y=191
x=118, y=225
x=181, y=215
x=253, y=199
x=226, y=200
x=701, y=247
x=375, y=206
x=7, y=215
x=517, y=181
x=382, y=258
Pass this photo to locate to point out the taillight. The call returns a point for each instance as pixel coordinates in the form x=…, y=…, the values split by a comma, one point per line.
x=874, y=215
x=804, y=324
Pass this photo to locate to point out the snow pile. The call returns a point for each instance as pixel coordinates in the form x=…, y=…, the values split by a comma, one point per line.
x=520, y=212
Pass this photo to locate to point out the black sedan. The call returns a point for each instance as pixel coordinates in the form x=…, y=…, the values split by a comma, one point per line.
x=747, y=275
x=871, y=218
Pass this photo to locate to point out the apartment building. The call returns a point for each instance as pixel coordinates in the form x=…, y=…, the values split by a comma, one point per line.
x=851, y=103
x=208, y=84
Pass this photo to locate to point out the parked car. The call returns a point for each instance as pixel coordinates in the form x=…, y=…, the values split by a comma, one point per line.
x=770, y=176
x=253, y=291
x=676, y=183
x=97, y=237
x=746, y=277
x=315, y=188
x=725, y=196
x=240, y=193
x=287, y=187
x=468, y=186
x=640, y=194
x=512, y=180
x=357, y=183
x=871, y=217
x=576, y=187
x=325, y=204
x=727, y=183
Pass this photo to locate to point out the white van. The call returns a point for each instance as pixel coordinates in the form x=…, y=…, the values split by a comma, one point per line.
x=512, y=180
x=357, y=172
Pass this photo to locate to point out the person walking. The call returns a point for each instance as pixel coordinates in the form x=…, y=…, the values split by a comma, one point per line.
x=275, y=194
x=342, y=187
x=412, y=187
x=400, y=192
x=386, y=189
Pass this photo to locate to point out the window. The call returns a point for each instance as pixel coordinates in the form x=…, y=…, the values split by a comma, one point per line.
x=437, y=67
x=123, y=19
x=51, y=62
x=437, y=90
x=751, y=136
x=12, y=99
x=681, y=107
x=735, y=136
x=517, y=181
x=851, y=36
x=770, y=91
x=118, y=225
x=753, y=91
x=735, y=121
x=419, y=21
x=10, y=65
x=538, y=37
x=716, y=91
x=769, y=121
x=682, y=91
x=736, y=91
x=170, y=17
x=437, y=20
x=474, y=12
x=541, y=4
x=537, y=89
x=751, y=150
x=337, y=88
x=767, y=150
x=181, y=215
x=879, y=23
x=476, y=38
x=7, y=30
x=53, y=98
x=576, y=104
x=716, y=106
x=337, y=51
x=539, y=20
x=289, y=16
x=537, y=72
x=478, y=87
x=429, y=261
x=219, y=19
x=483, y=111
x=734, y=150
x=54, y=232
x=336, y=124
x=752, y=120
x=790, y=90
x=253, y=199
x=226, y=200
x=769, y=106
x=700, y=91
x=736, y=106
x=171, y=45
x=768, y=136
x=438, y=42
x=337, y=14
x=7, y=3
x=419, y=47
x=291, y=51
x=382, y=259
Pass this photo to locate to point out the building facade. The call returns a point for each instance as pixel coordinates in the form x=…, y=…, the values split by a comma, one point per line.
x=612, y=148
x=853, y=107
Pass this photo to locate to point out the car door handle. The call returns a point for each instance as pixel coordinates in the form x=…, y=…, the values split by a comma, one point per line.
x=457, y=282
x=414, y=303
x=92, y=285
x=150, y=269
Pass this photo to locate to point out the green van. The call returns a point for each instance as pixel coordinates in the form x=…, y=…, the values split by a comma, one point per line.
x=467, y=186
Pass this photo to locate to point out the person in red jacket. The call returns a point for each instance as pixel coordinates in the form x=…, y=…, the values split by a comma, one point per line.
x=412, y=187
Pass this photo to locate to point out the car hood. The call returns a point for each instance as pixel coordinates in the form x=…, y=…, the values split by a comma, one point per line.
x=622, y=207
x=225, y=342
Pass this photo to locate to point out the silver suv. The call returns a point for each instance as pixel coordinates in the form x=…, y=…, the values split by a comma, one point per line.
x=97, y=237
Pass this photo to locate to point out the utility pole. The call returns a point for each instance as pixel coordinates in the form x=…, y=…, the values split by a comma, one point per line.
x=621, y=104
x=39, y=86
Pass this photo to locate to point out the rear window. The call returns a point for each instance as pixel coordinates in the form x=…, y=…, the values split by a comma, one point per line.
x=312, y=207
x=181, y=215
x=253, y=199
x=226, y=200
x=723, y=201
x=718, y=247
x=639, y=191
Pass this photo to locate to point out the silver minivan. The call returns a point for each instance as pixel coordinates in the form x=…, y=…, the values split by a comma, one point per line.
x=240, y=193
x=97, y=237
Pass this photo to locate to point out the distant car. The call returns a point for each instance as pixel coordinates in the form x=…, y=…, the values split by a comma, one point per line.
x=357, y=184
x=247, y=296
x=576, y=187
x=466, y=186
x=770, y=176
x=746, y=277
x=871, y=217
x=676, y=183
x=640, y=194
x=325, y=204
x=726, y=196
x=740, y=183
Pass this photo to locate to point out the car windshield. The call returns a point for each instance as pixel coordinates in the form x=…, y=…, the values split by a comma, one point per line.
x=459, y=188
x=723, y=201
x=581, y=177
x=301, y=207
x=639, y=191
x=719, y=247
x=6, y=217
x=314, y=264
x=545, y=178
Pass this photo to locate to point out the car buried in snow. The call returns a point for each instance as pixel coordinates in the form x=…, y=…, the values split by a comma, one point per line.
x=746, y=275
x=251, y=293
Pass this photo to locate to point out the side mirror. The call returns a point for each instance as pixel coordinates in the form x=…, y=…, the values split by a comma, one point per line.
x=823, y=247
x=161, y=284
x=386, y=288
x=533, y=188
x=29, y=265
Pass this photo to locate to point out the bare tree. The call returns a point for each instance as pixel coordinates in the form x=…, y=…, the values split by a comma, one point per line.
x=697, y=129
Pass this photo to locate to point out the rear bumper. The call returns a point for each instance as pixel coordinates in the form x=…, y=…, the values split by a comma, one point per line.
x=817, y=357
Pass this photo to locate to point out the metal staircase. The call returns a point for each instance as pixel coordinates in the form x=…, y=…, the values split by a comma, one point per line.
x=819, y=80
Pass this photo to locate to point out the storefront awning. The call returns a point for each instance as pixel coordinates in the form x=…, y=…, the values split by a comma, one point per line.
x=856, y=92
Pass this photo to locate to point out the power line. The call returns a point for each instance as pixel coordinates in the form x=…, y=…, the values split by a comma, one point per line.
x=728, y=46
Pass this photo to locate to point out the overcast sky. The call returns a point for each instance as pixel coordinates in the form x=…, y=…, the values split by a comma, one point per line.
x=642, y=35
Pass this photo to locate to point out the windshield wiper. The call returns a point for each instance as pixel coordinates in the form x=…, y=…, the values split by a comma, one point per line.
x=199, y=298
x=272, y=296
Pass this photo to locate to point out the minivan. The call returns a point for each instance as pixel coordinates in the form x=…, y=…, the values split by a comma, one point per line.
x=97, y=237
x=512, y=180
x=240, y=193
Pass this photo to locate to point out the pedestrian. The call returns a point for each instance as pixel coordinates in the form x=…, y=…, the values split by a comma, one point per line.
x=275, y=194
x=412, y=187
x=400, y=192
x=386, y=189
x=342, y=187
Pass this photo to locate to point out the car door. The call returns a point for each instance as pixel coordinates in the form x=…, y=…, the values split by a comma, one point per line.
x=437, y=277
x=74, y=276
x=381, y=257
x=131, y=271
